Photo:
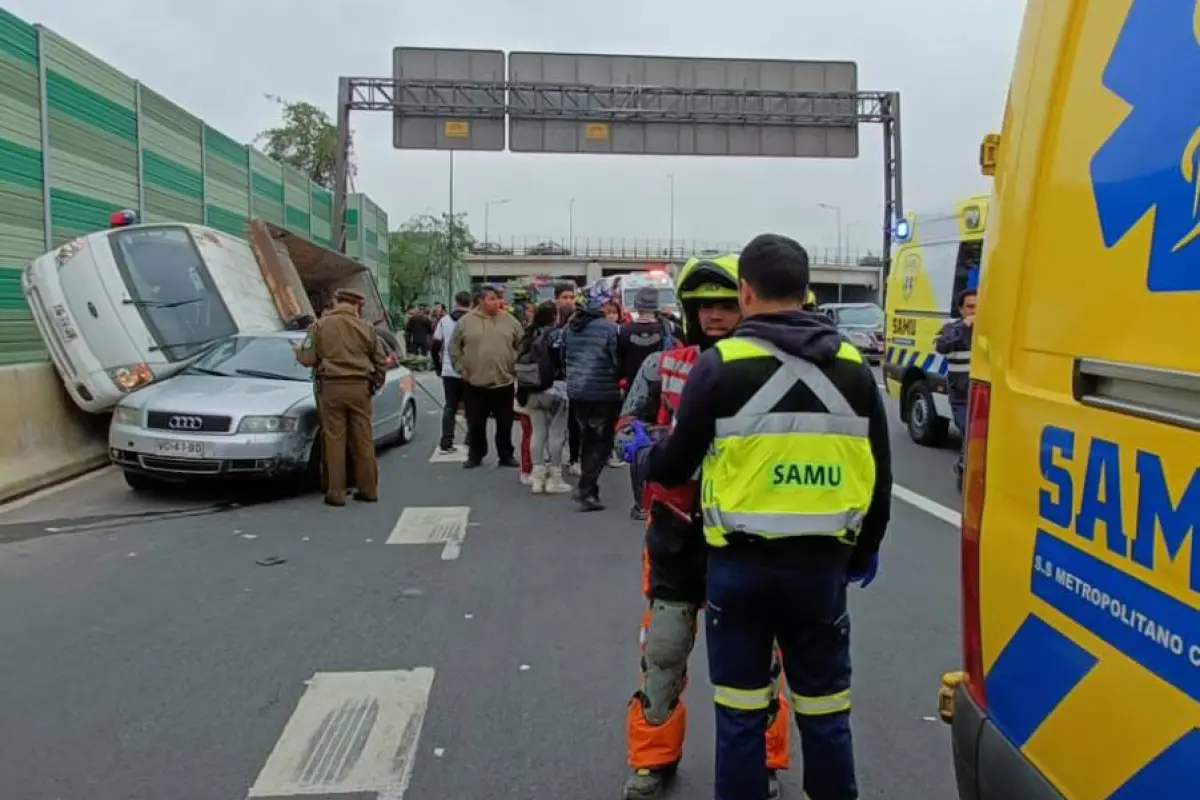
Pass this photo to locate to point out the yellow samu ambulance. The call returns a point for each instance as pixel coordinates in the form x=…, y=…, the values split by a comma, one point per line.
x=936, y=259
x=1081, y=512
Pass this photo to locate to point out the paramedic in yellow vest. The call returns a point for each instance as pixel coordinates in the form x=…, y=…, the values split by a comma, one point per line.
x=790, y=429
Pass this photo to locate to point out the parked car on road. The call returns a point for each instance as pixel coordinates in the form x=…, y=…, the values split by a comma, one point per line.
x=548, y=249
x=490, y=249
x=244, y=409
x=860, y=324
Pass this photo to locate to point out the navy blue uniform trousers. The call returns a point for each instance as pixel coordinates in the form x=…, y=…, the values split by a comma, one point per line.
x=751, y=606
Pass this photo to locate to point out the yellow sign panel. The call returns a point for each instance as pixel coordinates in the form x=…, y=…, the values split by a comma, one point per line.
x=596, y=131
x=457, y=130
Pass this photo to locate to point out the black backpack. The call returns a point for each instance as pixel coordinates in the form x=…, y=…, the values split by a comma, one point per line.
x=536, y=368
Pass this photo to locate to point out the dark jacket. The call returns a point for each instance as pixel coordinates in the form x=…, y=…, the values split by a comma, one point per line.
x=419, y=328
x=954, y=342
x=635, y=341
x=716, y=389
x=590, y=353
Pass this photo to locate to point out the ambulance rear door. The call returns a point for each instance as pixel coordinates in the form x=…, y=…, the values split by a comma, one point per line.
x=1090, y=543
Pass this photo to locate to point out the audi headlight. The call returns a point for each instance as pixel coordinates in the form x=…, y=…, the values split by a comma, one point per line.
x=267, y=424
x=127, y=416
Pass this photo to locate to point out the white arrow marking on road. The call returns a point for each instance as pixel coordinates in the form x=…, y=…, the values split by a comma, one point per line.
x=351, y=732
x=445, y=525
x=457, y=457
x=945, y=514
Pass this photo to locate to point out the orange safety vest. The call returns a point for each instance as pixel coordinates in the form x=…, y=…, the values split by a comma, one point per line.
x=673, y=369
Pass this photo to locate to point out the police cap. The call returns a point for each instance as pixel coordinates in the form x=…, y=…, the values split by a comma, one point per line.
x=349, y=296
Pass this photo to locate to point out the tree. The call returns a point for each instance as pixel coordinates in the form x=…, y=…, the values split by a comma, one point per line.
x=305, y=139
x=425, y=255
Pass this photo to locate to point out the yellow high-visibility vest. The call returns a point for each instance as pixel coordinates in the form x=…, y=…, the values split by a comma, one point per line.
x=776, y=474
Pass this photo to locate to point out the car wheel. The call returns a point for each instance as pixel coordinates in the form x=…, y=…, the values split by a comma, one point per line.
x=139, y=482
x=408, y=423
x=925, y=427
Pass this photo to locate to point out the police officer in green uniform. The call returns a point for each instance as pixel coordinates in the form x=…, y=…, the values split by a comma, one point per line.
x=789, y=427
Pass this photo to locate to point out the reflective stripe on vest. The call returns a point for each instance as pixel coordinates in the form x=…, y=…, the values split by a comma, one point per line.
x=777, y=474
x=958, y=361
x=673, y=369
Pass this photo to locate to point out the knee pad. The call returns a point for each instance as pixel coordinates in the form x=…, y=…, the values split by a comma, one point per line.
x=670, y=636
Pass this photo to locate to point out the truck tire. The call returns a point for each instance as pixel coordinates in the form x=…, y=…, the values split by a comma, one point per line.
x=925, y=427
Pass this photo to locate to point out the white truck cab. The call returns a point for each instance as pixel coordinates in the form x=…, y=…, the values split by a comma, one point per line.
x=124, y=307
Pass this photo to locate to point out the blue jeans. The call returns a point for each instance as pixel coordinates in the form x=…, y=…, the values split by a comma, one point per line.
x=750, y=607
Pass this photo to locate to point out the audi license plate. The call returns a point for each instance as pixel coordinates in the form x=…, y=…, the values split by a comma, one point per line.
x=167, y=447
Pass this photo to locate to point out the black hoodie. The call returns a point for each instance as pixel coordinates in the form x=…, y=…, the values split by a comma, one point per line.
x=712, y=391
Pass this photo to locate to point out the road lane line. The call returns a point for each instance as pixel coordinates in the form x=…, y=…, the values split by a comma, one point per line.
x=50, y=491
x=351, y=732
x=444, y=525
x=944, y=513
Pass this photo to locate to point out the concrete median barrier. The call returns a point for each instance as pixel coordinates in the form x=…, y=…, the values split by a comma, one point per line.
x=44, y=438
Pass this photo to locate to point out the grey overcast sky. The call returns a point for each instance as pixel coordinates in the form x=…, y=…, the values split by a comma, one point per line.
x=950, y=60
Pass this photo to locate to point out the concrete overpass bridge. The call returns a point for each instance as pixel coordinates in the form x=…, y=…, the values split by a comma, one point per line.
x=848, y=277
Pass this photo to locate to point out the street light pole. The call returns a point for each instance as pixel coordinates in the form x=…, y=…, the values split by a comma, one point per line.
x=671, y=229
x=487, y=209
x=571, y=225
x=838, y=211
x=450, y=239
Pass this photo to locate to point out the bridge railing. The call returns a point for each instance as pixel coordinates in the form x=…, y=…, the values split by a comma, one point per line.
x=649, y=249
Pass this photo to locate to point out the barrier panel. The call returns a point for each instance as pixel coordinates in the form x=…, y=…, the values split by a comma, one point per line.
x=44, y=438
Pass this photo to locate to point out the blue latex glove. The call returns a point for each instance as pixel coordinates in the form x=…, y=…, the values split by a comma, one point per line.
x=639, y=440
x=866, y=576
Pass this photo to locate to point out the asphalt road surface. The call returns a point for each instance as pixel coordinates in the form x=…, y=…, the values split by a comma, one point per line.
x=203, y=646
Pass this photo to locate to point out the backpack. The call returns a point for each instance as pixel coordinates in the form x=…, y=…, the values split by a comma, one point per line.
x=536, y=367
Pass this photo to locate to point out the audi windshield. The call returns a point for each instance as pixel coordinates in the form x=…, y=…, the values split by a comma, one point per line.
x=265, y=357
x=170, y=285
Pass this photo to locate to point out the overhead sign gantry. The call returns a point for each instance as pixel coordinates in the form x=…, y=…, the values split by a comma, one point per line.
x=526, y=102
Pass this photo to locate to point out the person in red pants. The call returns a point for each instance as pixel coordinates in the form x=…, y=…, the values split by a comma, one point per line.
x=526, y=457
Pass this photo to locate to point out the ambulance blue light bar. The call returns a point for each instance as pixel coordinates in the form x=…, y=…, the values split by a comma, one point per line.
x=903, y=231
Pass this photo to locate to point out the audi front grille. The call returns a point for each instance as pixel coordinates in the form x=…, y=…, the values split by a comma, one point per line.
x=181, y=422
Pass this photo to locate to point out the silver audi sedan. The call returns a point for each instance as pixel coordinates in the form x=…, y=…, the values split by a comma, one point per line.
x=244, y=409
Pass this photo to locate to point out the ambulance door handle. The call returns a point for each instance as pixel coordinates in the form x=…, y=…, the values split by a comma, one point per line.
x=1168, y=396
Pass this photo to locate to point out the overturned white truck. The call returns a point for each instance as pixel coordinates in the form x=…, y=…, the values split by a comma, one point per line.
x=122, y=308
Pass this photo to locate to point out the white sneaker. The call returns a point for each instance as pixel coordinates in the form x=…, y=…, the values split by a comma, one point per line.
x=526, y=478
x=615, y=462
x=537, y=480
x=555, y=483
x=575, y=469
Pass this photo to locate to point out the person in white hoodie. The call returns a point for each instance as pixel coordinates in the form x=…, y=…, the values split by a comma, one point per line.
x=541, y=354
x=452, y=387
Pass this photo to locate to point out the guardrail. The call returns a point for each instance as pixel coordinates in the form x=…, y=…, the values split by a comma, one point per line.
x=650, y=250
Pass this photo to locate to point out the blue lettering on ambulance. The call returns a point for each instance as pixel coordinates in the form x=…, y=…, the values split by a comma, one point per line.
x=1099, y=500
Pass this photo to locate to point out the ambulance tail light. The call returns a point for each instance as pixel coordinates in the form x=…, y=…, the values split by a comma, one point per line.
x=974, y=487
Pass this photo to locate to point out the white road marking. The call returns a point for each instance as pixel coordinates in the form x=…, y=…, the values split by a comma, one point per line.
x=445, y=525
x=116, y=522
x=50, y=491
x=944, y=513
x=457, y=457
x=351, y=732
